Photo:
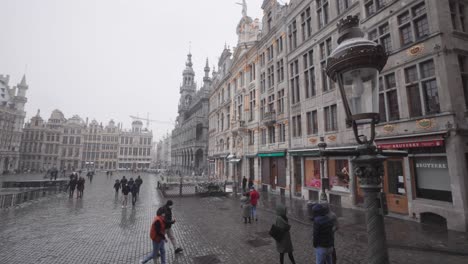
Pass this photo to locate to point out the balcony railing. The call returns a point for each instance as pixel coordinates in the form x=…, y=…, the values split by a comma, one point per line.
x=269, y=118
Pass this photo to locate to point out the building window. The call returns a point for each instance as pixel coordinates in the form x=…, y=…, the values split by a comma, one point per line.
x=269, y=21
x=343, y=5
x=228, y=117
x=322, y=13
x=325, y=50
x=262, y=108
x=271, y=103
x=262, y=82
x=312, y=123
x=432, y=178
x=373, y=6
x=252, y=72
x=388, y=97
x=280, y=101
x=280, y=70
x=381, y=35
x=264, y=133
x=251, y=137
x=272, y=134
x=421, y=86
x=458, y=13
x=252, y=102
x=294, y=80
x=330, y=116
x=309, y=74
x=306, y=24
x=413, y=24
x=463, y=65
x=279, y=45
x=292, y=29
x=282, y=133
x=271, y=76
x=297, y=126
x=271, y=53
x=229, y=91
x=262, y=59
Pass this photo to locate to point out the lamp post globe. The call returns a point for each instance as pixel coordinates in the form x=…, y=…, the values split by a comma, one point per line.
x=355, y=65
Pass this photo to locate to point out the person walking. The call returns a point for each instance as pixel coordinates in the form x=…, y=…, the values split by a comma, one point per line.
x=169, y=222
x=250, y=184
x=72, y=185
x=80, y=187
x=139, y=182
x=323, y=238
x=131, y=182
x=123, y=181
x=284, y=244
x=254, y=196
x=244, y=184
x=158, y=236
x=134, y=191
x=246, y=208
x=117, y=187
x=125, y=191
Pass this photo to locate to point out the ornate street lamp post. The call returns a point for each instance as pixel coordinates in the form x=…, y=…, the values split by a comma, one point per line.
x=324, y=180
x=355, y=65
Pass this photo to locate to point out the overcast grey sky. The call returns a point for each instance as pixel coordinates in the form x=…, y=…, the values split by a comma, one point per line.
x=108, y=59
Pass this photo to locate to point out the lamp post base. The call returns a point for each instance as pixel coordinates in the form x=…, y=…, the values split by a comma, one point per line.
x=369, y=169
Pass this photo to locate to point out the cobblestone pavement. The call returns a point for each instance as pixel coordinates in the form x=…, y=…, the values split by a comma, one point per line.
x=97, y=230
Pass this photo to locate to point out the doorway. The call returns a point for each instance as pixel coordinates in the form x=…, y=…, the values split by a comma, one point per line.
x=395, y=186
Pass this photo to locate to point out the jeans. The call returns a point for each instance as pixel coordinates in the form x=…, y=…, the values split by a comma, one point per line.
x=157, y=247
x=254, y=212
x=323, y=255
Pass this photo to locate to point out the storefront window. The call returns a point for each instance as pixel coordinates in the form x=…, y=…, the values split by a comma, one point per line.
x=338, y=172
x=312, y=173
x=432, y=178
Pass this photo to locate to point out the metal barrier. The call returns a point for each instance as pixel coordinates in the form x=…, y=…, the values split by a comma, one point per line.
x=22, y=195
x=192, y=189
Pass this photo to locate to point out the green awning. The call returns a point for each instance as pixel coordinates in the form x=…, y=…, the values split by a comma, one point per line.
x=305, y=153
x=272, y=154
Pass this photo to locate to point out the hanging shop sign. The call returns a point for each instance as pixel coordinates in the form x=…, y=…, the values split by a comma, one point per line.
x=416, y=144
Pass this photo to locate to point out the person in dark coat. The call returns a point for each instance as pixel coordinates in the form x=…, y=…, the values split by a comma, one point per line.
x=80, y=187
x=244, y=184
x=284, y=245
x=117, y=187
x=134, y=191
x=72, y=185
x=324, y=240
x=131, y=182
x=123, y=182
x=139, y=182
x=167, y=209
x=125, y=191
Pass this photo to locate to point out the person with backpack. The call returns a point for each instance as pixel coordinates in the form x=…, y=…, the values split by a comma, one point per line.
x=169, y=222
x=284, y=243
x=72, y=185
x=158, y=236
x=117, y=187
x=80, y=187
x=323, y=238
x=125, y=191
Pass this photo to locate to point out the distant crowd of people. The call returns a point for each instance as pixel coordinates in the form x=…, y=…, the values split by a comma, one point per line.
x=128, y=186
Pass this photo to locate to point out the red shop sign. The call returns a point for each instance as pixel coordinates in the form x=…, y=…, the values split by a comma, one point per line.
x=418, y=144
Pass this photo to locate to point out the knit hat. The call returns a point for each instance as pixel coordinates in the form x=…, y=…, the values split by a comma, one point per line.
x=169, y=202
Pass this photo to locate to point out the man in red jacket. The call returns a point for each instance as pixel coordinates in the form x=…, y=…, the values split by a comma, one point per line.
x=254, y=196
x=158, y=235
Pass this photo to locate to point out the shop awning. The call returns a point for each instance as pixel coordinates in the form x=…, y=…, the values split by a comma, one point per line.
x=272, y=154
x=234, y=160
x=426, y=140
x=315, y=152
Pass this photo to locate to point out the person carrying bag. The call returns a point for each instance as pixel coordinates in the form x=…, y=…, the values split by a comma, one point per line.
x=280, y=232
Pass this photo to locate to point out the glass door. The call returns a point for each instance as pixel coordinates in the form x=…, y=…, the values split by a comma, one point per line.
x=395, y=186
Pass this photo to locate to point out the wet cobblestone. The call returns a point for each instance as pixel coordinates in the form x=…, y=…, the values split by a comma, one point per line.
x=210, y=230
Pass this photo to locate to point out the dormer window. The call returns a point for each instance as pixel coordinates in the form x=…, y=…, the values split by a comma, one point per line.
x=269, y=21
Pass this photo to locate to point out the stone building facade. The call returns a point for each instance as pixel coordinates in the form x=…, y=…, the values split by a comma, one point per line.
x=189, y=143
x=423, y=94
x=164, y=153
x=12, y=114
x=75, y=144
x=135, y=147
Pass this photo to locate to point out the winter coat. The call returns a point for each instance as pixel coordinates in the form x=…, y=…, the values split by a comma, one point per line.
x=254, y=196
x=125, y=189
x=285, y=244
x=168, y=216
x=246, y=206
x=323, y=227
